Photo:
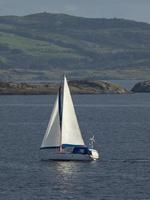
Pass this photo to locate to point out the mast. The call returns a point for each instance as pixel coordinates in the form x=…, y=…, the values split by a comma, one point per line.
x=60, y=107
x=60, y=94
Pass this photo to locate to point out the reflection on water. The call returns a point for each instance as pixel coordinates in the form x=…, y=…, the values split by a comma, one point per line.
x=67, y=168
x=71, y=177
x=66, y=175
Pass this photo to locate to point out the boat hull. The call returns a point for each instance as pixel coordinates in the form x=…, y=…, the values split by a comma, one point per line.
x=60, y=156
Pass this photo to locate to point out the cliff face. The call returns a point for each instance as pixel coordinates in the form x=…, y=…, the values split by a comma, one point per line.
x=143, y=86
x=78, y=87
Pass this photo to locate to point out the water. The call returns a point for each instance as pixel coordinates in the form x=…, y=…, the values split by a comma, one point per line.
x=121, y=125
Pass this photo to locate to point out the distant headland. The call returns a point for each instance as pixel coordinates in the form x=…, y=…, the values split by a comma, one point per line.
x=77, y=87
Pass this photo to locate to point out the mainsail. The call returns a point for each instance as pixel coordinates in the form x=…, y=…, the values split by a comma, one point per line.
x=52, y=136
x=70, y=129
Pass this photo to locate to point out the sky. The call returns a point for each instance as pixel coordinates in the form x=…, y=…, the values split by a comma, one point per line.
x=138, y=10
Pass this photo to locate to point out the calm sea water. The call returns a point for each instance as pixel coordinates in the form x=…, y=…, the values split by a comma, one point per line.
x=121, y=125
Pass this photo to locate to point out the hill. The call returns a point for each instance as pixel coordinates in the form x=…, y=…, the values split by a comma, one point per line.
x=43, y=46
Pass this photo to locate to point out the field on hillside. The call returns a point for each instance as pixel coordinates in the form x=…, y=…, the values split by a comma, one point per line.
x=42, y=46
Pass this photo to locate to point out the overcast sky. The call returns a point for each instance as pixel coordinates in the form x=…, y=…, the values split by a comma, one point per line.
x=138, y=10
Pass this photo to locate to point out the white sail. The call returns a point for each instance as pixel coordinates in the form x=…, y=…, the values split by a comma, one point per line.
x=70, y=129
x=52, y=135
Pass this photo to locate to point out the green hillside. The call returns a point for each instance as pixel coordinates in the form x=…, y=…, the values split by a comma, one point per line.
x=42, y=46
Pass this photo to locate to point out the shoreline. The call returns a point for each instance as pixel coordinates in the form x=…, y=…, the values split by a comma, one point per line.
x=76, y=87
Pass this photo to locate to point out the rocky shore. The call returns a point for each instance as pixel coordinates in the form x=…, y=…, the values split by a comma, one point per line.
x=143, y=86
x=77, y=87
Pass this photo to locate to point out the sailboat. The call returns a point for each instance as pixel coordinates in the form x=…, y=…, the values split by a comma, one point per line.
x=63, y=139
